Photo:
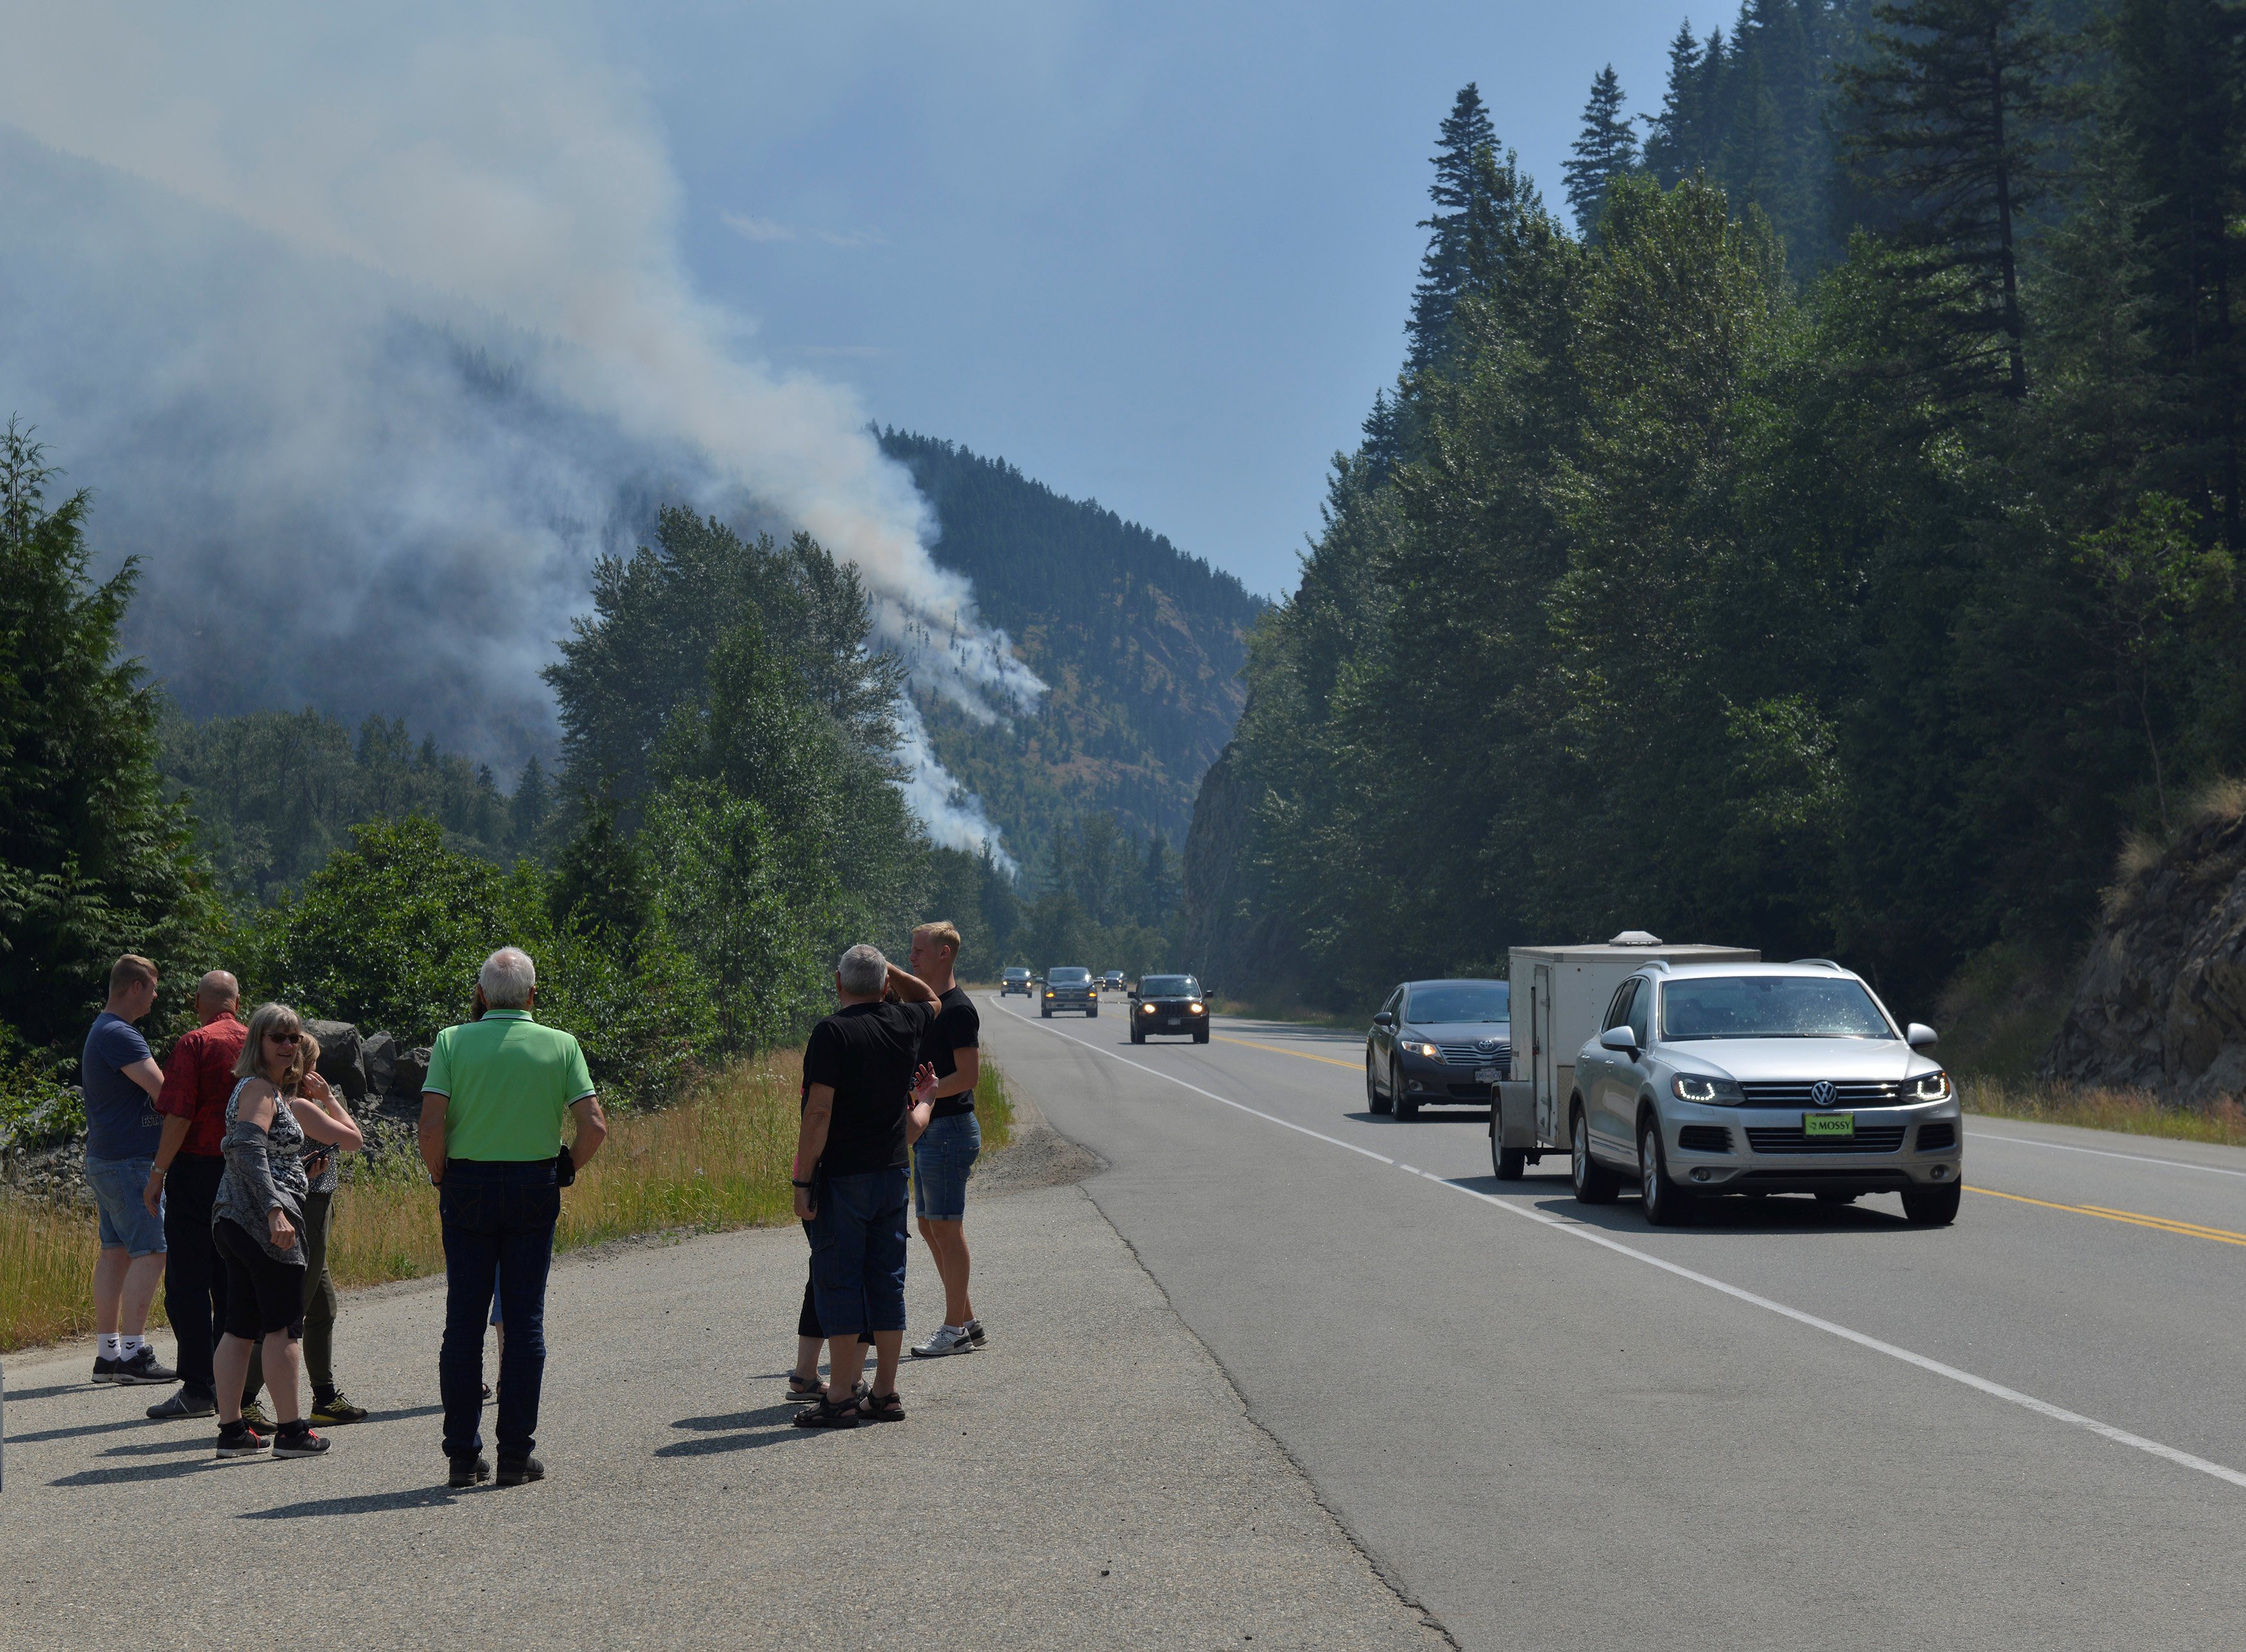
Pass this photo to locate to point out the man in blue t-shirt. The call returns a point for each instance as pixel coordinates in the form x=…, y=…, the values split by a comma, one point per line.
x=122, y=1128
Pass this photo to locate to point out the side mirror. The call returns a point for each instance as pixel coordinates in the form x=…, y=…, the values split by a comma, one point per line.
x=1135, y=993
x=1621, y=1040
x=1384, y=1019
x=1919, y=1036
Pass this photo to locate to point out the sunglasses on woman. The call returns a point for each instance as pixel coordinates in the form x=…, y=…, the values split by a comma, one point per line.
x=285, y=1037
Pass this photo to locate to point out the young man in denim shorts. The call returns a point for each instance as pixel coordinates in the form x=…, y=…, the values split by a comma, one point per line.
x=121, y=1081
x=945, y=1154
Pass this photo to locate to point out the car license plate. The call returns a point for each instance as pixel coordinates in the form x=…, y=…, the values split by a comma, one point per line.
x=1485, y=1075
x=1828, y=1124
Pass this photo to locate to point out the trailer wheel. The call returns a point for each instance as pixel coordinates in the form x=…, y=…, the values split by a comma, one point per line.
x=1595, y=1183
x=1511, y=1162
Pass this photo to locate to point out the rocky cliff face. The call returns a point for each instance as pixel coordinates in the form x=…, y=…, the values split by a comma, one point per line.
x=2162, y=1005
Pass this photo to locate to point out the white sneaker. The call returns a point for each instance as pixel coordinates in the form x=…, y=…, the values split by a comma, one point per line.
x=950, y=1339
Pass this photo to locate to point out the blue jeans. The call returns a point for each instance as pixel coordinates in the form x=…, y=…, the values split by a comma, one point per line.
x=942, y=1158
x=857, y=1252
x=125, y=1223
x=498, y=1232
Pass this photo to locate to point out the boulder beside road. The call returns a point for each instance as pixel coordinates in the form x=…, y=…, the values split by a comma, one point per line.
x=2161, y=1002
x=340, y=1063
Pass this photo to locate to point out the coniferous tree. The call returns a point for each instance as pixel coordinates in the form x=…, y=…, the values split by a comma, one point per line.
x=1676, y=144
x=2180, y=106
x=93, y=862
x=1944, y=115
x=1605, y=150
x=1466, y=132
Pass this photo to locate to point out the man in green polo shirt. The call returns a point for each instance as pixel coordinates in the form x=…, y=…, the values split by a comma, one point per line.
x=491, y=1108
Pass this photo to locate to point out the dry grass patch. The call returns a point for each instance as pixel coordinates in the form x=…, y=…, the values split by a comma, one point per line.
x=2135, y=1113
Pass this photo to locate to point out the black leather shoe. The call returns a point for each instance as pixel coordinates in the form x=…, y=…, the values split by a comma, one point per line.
x=467, y=1470
x=185, y=1403
x=515, y=1471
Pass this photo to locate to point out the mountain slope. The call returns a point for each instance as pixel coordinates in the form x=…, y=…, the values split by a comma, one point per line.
x=1140, y=645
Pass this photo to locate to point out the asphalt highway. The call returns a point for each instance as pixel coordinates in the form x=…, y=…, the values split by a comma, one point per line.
x=1786, y=1426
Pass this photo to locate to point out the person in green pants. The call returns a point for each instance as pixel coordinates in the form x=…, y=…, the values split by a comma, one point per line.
x=330, y=1406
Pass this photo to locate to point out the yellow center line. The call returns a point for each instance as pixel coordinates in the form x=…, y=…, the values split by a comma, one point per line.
x=2163, y=1224
x=1281, y=1050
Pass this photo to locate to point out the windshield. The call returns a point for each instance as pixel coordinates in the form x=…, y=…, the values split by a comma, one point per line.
x=1460, y=1001
x=1770, y=1007
x=1017, y=975
x=1068, y=977
x=1169, y=987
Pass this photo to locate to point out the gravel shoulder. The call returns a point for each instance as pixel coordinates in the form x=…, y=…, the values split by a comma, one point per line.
x=1089, y=1479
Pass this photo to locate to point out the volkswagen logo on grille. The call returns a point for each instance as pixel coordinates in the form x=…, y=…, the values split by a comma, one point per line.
x=1821, y=1092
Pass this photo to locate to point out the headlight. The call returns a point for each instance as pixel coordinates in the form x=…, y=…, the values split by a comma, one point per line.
x=1146, y=1009
x=1048, y=992
x=1195, y=1008
x=1933, y=1086
x=1708, y=1092
x=1427, y=1050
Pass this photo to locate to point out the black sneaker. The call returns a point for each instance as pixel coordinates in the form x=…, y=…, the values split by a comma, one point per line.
x=104, y=1370
x=187, y=1403
x=238, y=1440
x=515, y=1470
x=468, y=1471
x=296, y=1440
x=141, y=1370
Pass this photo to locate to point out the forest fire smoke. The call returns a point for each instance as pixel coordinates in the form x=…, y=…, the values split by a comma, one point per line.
x=472, y=362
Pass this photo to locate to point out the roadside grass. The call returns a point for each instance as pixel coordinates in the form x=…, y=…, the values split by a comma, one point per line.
x=2135, y=1113
x=720, y=1158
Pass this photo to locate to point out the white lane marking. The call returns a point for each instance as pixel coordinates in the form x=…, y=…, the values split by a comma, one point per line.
x=1981, y=1384
x=2100, y=1152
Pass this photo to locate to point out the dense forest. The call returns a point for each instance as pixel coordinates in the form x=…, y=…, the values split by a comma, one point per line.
x=1827, y=545
x=1139, y=645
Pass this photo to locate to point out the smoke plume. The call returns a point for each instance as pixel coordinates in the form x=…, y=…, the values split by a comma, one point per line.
x=375, y=321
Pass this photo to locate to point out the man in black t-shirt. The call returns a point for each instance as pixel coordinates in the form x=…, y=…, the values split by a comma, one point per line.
x=945, y=1154
x=865, y=1101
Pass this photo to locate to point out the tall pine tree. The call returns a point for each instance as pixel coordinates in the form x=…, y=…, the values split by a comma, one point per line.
x=1944, y=115
x=1466, y=132
x=1606, y=149
x=1675, y=144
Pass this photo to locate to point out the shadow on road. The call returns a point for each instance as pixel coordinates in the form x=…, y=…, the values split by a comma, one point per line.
x=421, y=1497
x=125, y=1475
x=1738, y=1213
x=726, y=1433
x=1449, y=1116
x=84, y=1429
x=48, y=1392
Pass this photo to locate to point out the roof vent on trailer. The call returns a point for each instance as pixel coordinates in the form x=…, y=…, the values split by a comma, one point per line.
x=1635, y=938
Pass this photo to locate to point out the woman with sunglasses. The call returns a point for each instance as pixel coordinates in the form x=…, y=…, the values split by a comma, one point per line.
x=256, y=1223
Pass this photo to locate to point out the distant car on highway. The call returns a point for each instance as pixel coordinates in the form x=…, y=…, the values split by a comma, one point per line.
x=1168, y=1004
x=1444, y=1041
x=1762, y=1078
x=1112, y=981
x=1070, y=986
x=1010, y=980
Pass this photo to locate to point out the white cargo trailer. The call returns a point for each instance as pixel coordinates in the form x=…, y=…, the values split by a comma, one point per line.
x=1560, y=995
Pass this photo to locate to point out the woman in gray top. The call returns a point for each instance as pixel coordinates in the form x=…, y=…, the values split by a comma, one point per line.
x=256, y=1222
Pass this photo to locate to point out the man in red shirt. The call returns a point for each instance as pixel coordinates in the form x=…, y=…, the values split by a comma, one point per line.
x=198, y=1079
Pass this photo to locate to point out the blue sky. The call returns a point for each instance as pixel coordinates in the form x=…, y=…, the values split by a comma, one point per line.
x=1155, y=254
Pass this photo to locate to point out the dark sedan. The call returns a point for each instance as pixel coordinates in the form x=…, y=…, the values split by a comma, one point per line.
x=1439, y=1042
x=1168, y=1004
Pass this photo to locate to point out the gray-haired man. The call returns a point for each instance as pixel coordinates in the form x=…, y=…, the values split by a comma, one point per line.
x=865, y=1099
x=491, y=1135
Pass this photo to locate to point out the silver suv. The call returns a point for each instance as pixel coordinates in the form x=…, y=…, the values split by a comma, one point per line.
x=1762, y=1078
